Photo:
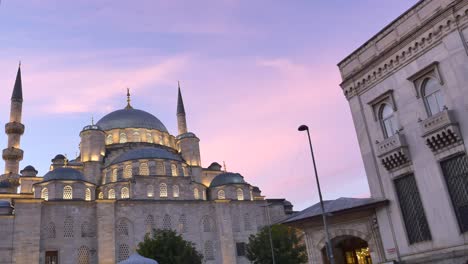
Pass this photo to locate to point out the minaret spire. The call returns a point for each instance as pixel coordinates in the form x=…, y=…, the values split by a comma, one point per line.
x=128, y=100
x=181, y=120
x=17, y=94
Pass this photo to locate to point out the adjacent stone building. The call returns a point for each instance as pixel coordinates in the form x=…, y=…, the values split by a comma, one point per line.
x=131, y=177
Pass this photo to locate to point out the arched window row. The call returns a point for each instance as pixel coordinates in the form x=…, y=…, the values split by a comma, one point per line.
x=137, y=135
x=146, y=168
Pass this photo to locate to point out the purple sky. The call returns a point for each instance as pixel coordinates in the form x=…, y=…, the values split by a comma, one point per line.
x=250, y=71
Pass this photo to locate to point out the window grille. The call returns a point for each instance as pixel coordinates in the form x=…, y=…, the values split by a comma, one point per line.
x=50, y=230
x=175, y=191
x=88, y=194
x=456, y=175
x=149, y=224
x=160, y=168
x=209, y=254
x=124, y=252
x=144, y=169
x=221, y=195
x=149, y=138
x=67, y=192
x=206, y=223
x=101, y=195
x=136, y=137
x=412, y=209
x=109, y=140
x=128, y=171
x=124, y=193
x=114, y=175
x=167, y=222
x=83, y=255
x=240, y=194
x=45, y=194
x=111, y=194
x=122, y=228
x=247, y=223
x=196, y=194
x=123, y=138
x=87, y=230
x=163, y=190
x=240, y=248
x=174, y=169
x=150, y=191
x=182, y=223
x=68, y=227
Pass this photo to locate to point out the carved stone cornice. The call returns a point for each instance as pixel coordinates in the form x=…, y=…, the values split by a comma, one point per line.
x=441, y=132
x=393, y=152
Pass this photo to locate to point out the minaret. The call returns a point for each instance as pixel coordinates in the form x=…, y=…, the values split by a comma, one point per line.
x=181, y=120
x=12, y=155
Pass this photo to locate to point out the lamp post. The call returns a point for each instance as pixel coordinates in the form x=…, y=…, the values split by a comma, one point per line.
x=329, y=249
x=267, y=206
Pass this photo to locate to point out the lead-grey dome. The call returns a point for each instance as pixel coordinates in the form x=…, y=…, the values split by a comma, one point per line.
x=130, y=118
x=227, y=178
x=137, y=259
x=64, y=173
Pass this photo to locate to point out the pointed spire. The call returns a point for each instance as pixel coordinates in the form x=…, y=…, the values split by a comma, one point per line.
x=18, y=88
x=128, y=100
x=180, y=102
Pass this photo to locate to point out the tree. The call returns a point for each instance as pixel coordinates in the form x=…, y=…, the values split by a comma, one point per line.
x=168, y=247
x=287, y=246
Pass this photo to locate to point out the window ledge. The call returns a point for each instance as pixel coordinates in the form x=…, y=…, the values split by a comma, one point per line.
x=393, y=152
x=441, y=132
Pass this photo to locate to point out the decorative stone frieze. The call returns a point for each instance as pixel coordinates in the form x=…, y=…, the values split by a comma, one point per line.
x=441, y=131
x=12, y=154
x=14, y=128
x=393, y=152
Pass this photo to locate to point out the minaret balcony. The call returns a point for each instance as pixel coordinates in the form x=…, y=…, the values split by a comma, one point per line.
x=12, y=154
x=393, y=152
x=14, y=128
x=441, y=132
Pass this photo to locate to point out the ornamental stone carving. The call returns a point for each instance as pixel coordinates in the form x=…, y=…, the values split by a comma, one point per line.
x=393, y=152
x=441, y=132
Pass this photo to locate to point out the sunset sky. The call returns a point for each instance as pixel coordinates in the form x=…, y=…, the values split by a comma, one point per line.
x=251, y=72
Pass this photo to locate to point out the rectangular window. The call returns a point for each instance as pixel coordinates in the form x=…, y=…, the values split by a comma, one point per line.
x=412, y=209
x=456, y=175
x=51, y=257
x=240, y=247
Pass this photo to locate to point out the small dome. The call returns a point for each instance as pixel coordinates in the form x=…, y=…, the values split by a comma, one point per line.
x=186, y=135
x=215, y=166
x=64, y=173
x=137, y=259
x=130, y=118
x=91, y=127
x=59, y=157
x=227, y=178
x=147, y=153
x=28, y=171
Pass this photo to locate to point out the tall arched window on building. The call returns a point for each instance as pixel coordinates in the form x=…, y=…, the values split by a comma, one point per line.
x=174, y=169
x=207, y=224
x=50, y=230
x=160, y=170
x=208, y=250
x=123, y=138
x=433, y=97
x=175, y=191
x=68, y=227
x=114, y=175
x=149, y=138
x=163, y=190
x=240, y=194
x=196, y=194
x=136, y=137
x=83, y=255
x=150, y=191
x=88, y=194
x=167, y=224
x=144, y=170
x=111, y=194
x=124, y=193
x=221, y=195
x=109, y=139
x=45, y=194
x=149, y=224
x=67, y=192
x=127, y=171
x=387, y=119
x=124, y=252
x=182, y=224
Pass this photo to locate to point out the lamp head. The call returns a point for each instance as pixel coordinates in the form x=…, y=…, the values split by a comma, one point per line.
x=303, y=128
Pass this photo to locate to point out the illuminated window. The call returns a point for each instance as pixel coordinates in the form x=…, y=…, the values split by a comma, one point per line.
x=196, y=194
x=136, y=137
x=144, y=170
x=184, y=170
x=68, y=227
x=124, y=252
x=45, y=194
x=149, y=224
x=207, y=224
x=111, y=194
x=175, y=191
x=387, y=119
x=50, y=230
x=109, y=139
x=167, y=222
x=163, y=190
x=160, y=168
x=240, y=194
x=101, y=195
x=221, y=195
x=150, y=190
x=88, y=194
x=182, y=224
x=123, y=138
x=433, y=97
x=67, y=192
x=174, y=169
x=204, y=194
x=209, y=253
x=124, y=193
x=114, y=175
x=83, y=255
x=149, y=138
x=127, y=171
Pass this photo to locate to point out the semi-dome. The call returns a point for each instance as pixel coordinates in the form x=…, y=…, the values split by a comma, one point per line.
x=137, y=259
x=227, y=178
x=130, y=118
x=64, y=173
x=147, y=153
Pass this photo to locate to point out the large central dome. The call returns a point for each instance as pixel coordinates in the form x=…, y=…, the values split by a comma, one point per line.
x=130, y=118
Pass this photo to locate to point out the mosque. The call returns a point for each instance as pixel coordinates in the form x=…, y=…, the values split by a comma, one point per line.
x=130, y=177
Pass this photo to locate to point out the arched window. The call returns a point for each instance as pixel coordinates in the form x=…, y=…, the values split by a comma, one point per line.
x=149, y=224
x=122, y=228
x=204, y=194
x=68, y=227
x=67, y=192
x=207, y=224
x=144, y=170
x=160, y=168
x=150, y=191
x=83, y=255
x=433, y=97
x=221, y=195
x=49, y=230
x=162, y=190
x=175, y=191
x=123, y=138
x=161, y=142
x=196, y=194
x=101, y=195
x=88, y=194
x=240, y=194
x=136, y=137
x=182, y=224
x=124, y=193
x=387, y=120
x=124, y=252
x=184, y=170
x=45, y=194
x=149, y=138
x=111, y=194
x=128, y=171
x=114, y=175
x=109, y=139
x=209, y=254
x=174, y=170
x=167, y=222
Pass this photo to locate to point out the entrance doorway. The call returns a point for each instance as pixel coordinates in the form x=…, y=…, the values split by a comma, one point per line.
x=51, y=257
x=349, y=250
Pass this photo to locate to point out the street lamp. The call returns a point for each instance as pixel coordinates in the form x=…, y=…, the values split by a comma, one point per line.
x=329, y=249
x=267, y=206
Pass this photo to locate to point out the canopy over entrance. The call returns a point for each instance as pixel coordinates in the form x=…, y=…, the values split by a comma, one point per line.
x=349, y=250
